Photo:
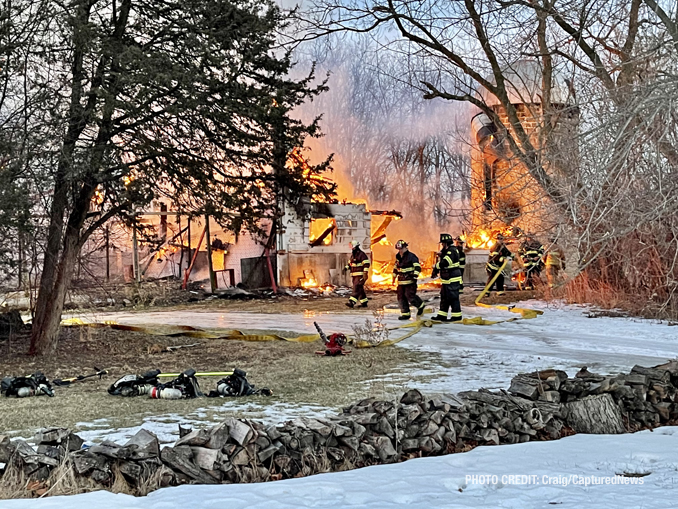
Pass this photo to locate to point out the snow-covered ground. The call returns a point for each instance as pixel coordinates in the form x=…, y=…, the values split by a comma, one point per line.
x=579, y=472
x=483, y=356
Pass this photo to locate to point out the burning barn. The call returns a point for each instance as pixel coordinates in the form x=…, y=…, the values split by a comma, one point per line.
x=312, y=251
x=310, y=248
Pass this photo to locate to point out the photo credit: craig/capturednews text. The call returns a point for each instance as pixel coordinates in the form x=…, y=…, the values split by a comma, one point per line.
x=557, y=480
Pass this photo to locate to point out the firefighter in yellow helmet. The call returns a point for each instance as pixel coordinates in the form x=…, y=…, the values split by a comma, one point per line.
x=450, y=276
x=531, y=253
x=359, y=267
x=405, y=274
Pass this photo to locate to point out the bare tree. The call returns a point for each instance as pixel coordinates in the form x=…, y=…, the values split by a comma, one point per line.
x=618, y=60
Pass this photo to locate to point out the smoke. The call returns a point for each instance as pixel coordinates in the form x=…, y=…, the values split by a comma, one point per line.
x=392, y=148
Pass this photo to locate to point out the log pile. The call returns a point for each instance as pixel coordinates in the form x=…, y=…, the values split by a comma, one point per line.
x=544, y=405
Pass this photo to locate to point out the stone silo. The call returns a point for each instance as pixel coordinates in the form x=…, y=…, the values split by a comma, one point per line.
x=504, y=195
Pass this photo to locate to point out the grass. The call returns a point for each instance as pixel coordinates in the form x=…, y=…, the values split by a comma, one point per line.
x=293, y=371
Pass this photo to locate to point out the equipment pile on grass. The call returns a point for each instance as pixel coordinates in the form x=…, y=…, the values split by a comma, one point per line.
x=544, y=405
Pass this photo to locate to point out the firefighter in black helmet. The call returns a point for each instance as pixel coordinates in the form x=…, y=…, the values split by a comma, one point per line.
x=359, y=267
x=450, y=276
x=531, y=254
x=405, y=274
x=498, y=254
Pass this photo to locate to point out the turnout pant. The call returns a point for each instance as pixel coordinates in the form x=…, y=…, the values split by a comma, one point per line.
x=499, y=283
x=461, y=285
x=358, y=295
x=449, y=300
x=552, y=274
x=530, y=274
x=407, y=294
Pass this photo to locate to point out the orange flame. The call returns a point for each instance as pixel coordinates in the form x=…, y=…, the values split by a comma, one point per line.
x=309, y=283
x=319, y=227
x=485, y=238
x=296, y=157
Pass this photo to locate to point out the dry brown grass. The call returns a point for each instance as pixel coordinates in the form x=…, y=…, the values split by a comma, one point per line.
x=292, y=370
x=13, y=483
x=584, y=289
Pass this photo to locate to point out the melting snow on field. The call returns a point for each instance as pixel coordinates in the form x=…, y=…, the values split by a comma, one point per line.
x=483, y=356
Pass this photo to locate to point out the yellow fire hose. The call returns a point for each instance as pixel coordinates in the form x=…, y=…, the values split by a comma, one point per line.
x=526, y=313
x=189, y=331
x=206, y=373
x=195, y=332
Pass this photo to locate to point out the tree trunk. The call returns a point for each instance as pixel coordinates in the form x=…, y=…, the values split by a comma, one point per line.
x=52, y=265
x=48, y=315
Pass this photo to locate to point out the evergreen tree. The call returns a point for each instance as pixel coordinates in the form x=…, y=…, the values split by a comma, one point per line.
x=189, y=99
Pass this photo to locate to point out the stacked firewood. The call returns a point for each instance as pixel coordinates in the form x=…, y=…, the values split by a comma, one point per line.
x=543, y=405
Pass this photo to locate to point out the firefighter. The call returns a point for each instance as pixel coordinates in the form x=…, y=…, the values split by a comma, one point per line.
x=450, y=277
x=555, y=261
x=459, y=244
x=531, y=252
x=405, y=273
x=498, y=254
x=359, y=267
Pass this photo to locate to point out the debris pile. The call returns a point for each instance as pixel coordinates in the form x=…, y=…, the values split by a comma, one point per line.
x=544, y=405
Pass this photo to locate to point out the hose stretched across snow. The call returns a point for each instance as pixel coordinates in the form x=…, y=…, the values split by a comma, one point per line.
x=196, y=332
x=525, y=312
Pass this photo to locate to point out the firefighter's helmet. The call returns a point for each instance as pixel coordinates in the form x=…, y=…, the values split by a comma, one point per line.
x=445, y=238
x=401, y=244
x=459, y=239
x=500, y=236
x=354, y=244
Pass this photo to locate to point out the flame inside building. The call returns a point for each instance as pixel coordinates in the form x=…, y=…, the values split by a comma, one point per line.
x=505, y=198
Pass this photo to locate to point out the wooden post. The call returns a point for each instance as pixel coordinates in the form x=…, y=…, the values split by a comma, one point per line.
x=181, y=240
x=189, y=240
x=213, y=276
x=108, y=259
x=135, y=253
x=267, y=253
x=163, y=222
x=190, y=267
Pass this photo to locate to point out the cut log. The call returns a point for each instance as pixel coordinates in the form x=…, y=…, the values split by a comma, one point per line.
x=58, y=436
x=635, y=379
x=181, y=459
x=111, y=450
x=490, y=436
x=86, y=461
x=219, y=435
x=525, y=386
x=658, y=375
x=130, y=470
x=412, y=396
x=595, y=415
x=270, y=451
x=143, y=445
x=239, y=431
x=205, y=458
x=195, y=438
x=6, y=449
